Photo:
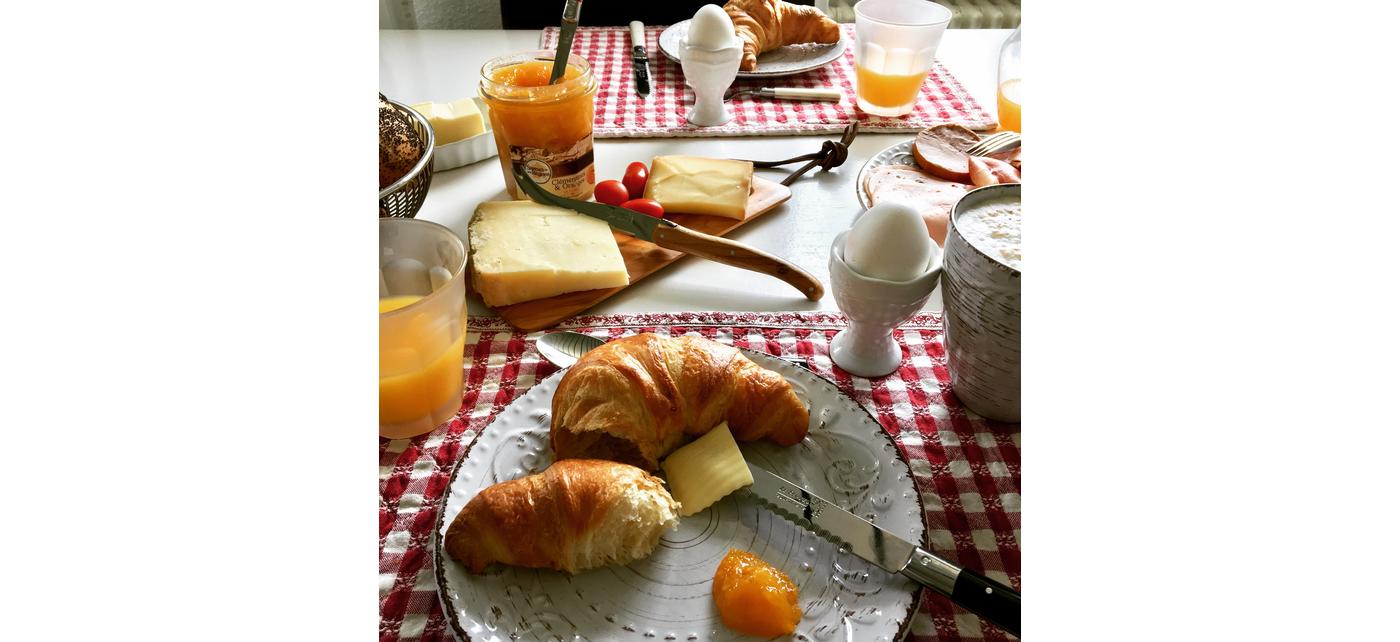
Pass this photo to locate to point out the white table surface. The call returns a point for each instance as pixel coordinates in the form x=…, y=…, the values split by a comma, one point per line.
x=422, y=65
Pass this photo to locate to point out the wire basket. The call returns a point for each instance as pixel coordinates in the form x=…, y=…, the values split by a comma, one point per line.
x=403, y=197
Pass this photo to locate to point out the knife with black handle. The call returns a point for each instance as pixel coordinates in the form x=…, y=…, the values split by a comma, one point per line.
x=640, y=72
x=995, y=602
x=671, y=236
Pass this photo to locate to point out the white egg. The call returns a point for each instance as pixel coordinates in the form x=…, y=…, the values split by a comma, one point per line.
x=711, y=28
x=889, y=242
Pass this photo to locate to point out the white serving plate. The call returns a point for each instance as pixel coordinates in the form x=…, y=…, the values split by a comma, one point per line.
x=783, y=61
x=468, y=150
x=666, y=597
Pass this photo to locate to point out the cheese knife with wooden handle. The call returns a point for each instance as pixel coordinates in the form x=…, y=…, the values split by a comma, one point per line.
x=671, y=236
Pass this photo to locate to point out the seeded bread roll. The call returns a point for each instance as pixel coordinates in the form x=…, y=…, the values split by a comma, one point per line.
x=399, y=144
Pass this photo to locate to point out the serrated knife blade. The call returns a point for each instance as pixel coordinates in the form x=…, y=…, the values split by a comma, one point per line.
x=997, y=603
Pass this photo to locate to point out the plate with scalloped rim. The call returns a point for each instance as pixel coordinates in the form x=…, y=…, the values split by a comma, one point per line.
x=665, y=597
x=783, y=61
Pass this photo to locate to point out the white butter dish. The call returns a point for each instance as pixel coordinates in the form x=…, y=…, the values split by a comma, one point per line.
x=468, y=150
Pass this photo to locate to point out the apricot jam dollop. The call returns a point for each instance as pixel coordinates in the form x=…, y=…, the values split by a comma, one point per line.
x=754, y=598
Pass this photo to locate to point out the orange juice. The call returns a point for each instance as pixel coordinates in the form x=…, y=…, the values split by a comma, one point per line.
x=1009, y=105
x=887, y=94
x=420, y=369
x=545, y=130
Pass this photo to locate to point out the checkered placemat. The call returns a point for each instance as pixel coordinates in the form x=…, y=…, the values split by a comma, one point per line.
x=620, y=112
x=968, y=469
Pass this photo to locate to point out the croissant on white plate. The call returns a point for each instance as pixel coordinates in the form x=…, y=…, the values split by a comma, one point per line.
x=765, y=25
x=577, y=514
x=636, y=399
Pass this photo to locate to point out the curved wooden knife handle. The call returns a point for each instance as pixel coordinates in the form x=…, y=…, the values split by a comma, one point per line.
x=722, y=250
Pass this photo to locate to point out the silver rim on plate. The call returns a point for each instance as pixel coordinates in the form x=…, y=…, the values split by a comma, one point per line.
x=839, y=594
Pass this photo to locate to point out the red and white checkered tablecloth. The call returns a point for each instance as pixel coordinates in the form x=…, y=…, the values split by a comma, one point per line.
x=968, y=469
x=620, y=112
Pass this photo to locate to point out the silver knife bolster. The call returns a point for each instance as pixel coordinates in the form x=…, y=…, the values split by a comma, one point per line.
x=932, y=571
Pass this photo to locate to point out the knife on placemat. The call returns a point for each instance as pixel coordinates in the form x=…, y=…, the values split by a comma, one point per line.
x=992, y=600
x=640, y=73
x=671, y=236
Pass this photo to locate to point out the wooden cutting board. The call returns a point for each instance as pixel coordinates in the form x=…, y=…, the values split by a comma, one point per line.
x=642, y=259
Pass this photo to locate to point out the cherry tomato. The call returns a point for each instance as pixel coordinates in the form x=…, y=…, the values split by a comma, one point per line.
x=610, y=192
x=645, y=206
x=636, y=179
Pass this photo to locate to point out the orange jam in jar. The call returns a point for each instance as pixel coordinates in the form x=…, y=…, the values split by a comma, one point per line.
x=545, y=130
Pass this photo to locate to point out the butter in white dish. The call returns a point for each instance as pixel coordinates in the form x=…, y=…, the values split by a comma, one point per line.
x=454, y=121
x=889, y=242
x=994, y=227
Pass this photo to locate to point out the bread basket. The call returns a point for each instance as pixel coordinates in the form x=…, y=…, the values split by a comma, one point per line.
x=403, y=197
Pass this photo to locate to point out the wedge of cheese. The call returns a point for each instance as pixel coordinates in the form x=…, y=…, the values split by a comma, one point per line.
x=705, y=470
x=452, y=121
x=699, y=185
x=522, y=251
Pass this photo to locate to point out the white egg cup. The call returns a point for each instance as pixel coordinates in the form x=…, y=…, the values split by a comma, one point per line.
x=875, y=308
x=709, y=72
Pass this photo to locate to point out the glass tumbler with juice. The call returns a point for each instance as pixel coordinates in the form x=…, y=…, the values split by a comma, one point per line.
x=895, y=44
x=422, y=326
x=546, y=130
x=1009, y=83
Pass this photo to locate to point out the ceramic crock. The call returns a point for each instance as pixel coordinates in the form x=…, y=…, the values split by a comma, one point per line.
x=982, y=318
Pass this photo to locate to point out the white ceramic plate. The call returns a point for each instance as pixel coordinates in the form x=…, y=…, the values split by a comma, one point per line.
x=897, y=154
x=783, y=61
x=666, y=597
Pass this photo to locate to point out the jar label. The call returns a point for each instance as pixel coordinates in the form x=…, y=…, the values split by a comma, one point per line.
x=567, y=172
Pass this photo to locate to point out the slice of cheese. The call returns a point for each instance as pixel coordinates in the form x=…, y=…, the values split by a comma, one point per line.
x=452, y=121
x=698, y=185
x=705, y=470
x=521, y=251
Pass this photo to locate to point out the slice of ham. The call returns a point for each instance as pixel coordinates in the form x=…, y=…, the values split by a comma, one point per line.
x=990, y=171
x=1012, y=157
x=941, y=150
x=932, y=197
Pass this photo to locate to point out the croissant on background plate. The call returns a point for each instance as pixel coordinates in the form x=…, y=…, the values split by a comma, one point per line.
x=765, y=25
x=577, y=514
x=636, y=399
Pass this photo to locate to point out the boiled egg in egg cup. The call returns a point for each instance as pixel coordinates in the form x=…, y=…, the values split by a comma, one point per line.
x=883, y=270
x=710, y=56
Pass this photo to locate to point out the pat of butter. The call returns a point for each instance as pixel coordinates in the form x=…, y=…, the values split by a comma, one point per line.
x=705, y=470
x=522, y=251
x=698, y=185
x=452, y=121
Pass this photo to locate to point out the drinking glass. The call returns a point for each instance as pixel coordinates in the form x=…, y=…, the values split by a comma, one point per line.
x=895, y=43
x=1009, y=83
x=422, y=325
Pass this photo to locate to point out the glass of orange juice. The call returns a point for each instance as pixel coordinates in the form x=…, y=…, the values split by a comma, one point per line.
x=422, y=325
x=895, y=43
x=1009, y=83
x=546, y=130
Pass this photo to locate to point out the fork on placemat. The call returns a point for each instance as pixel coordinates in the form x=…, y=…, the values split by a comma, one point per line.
x=995, y=144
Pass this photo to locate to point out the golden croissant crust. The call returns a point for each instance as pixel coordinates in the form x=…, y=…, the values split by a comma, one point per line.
x=635, y=400
x=577, y=514
x=765, y=25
